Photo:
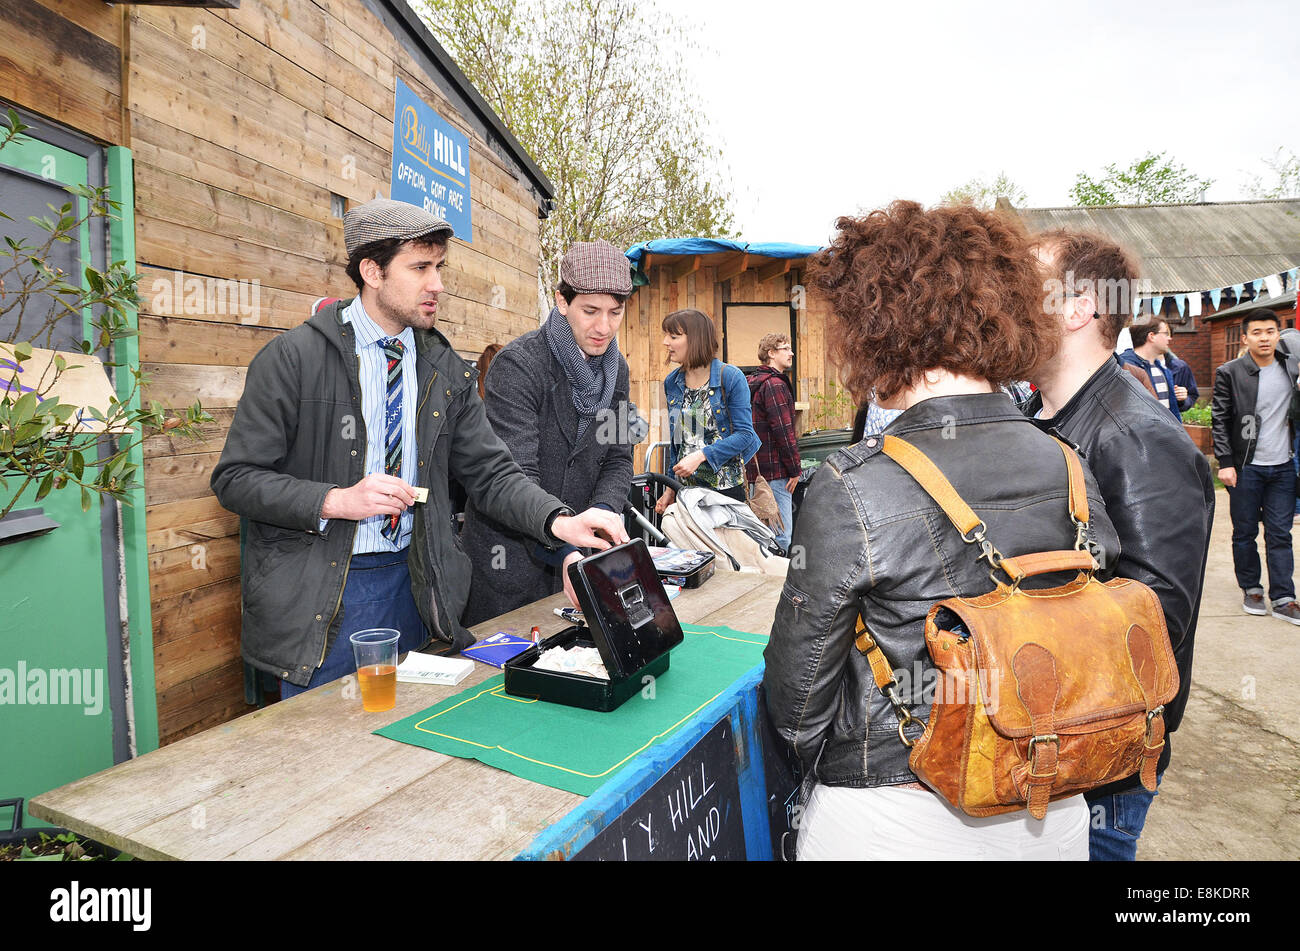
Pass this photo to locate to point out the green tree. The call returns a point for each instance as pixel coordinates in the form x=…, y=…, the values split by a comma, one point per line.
x=1282, y=180
x=596, y=92
x=1150, y=180
x=42, y=441
x=984, y=193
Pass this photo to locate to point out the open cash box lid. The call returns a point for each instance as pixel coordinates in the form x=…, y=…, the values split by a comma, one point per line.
x=631, y=620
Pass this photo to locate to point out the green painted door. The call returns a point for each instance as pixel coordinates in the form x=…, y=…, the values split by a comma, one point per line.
x=66, y=622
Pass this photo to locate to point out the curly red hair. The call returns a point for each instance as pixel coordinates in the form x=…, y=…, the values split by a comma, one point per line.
x=910, y=290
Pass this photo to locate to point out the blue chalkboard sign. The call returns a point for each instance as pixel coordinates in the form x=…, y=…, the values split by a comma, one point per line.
x=692, y=813
x=430, y=162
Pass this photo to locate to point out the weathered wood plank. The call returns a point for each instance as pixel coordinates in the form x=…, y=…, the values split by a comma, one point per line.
x=165, y=147
x=203, y=343
x=212, y=437
x=57, y=67
x=175, y=295
x=178, y=570
x=195, y=609
x=179, y=385
x=179, y=478
x=188, y=522
x=170, y=246
x=102, y=20
x=196, y=655
x=193, y=700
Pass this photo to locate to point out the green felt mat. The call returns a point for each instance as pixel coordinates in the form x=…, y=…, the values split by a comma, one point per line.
x=578, y=750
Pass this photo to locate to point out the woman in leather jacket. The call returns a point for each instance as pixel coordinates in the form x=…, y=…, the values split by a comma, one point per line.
x=930, y=312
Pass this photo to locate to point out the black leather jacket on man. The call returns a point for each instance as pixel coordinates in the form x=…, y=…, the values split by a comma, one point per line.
x=869, y=539
x=1160, y=496
x=1234, y=422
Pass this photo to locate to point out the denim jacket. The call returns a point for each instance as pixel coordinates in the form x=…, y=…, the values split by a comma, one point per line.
x=875, y=543
x=729, y=397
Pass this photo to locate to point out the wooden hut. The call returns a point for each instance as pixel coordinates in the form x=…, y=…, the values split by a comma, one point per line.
x=749, y=290
x=236, y=139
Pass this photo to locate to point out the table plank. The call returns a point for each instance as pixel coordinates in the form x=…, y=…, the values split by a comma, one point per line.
x=306, y=778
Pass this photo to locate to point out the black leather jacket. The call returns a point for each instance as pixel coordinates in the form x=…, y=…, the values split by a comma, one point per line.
x=1159, y=495
x=873, y=541
x=1235, y=425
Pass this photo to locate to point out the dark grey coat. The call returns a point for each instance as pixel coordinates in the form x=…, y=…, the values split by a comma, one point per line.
x=530, y=406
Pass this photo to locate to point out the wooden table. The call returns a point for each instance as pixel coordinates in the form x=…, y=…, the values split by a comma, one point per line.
x=306, y=779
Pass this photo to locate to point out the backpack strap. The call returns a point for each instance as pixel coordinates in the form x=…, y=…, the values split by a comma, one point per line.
x=918, y=465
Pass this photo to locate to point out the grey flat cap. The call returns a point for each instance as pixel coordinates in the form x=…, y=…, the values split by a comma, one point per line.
x=596, y=267
x=383, y=218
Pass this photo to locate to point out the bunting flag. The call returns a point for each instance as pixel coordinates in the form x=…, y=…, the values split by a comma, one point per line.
x=1191, y=305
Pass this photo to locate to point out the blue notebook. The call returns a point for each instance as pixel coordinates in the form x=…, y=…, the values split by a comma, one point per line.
x=497, y=649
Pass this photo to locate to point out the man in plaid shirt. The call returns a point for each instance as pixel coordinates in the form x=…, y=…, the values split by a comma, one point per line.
x=777, y=460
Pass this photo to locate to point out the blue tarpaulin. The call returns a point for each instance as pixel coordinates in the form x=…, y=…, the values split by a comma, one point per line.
x=688, y=246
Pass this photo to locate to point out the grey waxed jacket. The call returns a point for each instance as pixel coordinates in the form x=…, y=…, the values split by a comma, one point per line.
x=869, y=539
x=298, y=432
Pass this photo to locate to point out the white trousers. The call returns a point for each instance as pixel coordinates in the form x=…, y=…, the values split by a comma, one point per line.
x=889, y=822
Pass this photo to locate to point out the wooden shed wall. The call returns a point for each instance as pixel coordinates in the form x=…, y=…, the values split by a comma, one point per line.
x=242, y=123
x=641, y=338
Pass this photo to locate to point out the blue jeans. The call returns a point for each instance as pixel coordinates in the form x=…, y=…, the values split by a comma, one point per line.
x=1116, y=823
x=785, y=505
x=1295, y=457
x=377, y=594
x=1267, y=492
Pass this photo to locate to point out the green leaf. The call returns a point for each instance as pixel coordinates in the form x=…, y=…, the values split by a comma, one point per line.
x=76, y=464
x=86, y=499
x=46, y=484
x=23, y=350
x=24, y=409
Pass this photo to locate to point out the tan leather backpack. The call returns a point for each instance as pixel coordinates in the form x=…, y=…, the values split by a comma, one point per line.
x=1041, y=694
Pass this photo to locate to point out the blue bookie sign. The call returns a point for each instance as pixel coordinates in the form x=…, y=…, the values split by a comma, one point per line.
x=430, y=162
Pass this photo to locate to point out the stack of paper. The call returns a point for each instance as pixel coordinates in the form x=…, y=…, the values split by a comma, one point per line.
x=431, y=669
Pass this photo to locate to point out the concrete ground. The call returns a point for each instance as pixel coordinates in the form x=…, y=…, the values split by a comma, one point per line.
x=1232, y=790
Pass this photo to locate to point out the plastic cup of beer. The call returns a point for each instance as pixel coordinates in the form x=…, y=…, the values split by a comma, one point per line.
x=376, y=654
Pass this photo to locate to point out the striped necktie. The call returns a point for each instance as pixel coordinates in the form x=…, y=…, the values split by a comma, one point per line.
x=393, y=425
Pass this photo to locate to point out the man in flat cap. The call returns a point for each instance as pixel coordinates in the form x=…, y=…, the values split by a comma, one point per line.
x=558, y=398
x=342, y=418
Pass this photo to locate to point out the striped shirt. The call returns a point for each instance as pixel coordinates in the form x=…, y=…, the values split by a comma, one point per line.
x=369, y=340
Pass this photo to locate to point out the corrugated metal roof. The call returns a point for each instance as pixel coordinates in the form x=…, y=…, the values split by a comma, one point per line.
x=1194, y=247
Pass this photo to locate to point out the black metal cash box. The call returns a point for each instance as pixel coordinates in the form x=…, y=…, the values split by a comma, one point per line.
x=630, y=621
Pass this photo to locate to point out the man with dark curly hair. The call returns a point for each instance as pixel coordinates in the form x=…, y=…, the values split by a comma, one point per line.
x=1156, y=485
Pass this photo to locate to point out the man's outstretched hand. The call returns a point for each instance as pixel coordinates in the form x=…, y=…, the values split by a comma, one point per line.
x=594, y=528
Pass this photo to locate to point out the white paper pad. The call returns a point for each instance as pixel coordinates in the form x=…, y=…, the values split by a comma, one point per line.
x=431, y=669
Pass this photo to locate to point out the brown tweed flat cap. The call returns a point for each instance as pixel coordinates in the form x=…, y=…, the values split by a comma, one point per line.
x=596, y=267
x=383, y=218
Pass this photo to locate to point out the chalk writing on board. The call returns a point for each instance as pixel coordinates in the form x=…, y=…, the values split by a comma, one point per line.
x=691, y=813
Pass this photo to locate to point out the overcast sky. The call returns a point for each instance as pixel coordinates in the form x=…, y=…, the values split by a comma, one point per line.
x=825, y=109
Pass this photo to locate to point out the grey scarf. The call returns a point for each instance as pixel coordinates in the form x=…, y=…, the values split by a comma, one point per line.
x=591, y=381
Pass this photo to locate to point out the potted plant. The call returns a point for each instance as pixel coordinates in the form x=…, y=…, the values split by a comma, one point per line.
x=1197, y=423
